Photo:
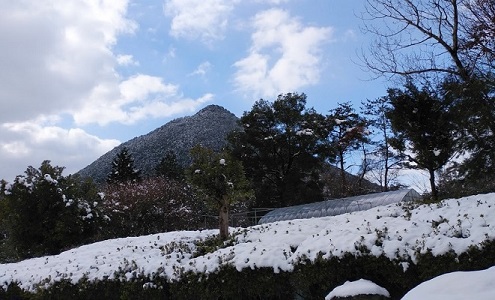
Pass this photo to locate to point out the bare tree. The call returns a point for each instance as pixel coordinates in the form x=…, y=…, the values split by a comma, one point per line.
x=481, y=29
x=427, y=37
x=384, y=162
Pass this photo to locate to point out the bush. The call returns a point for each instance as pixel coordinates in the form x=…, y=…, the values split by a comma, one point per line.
x=44, y=212
x=309, y=280
x=153, y=205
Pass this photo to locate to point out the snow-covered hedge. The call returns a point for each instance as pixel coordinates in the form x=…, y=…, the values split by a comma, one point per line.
x=395, y=246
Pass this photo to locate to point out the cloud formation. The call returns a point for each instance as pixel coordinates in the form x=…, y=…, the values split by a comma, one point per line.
x=29, y=143
x=59, y=68
x=285, y=55
x=199, y=19
x=54, y=52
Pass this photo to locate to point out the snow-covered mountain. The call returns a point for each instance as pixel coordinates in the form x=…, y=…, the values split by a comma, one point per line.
x=208, y=127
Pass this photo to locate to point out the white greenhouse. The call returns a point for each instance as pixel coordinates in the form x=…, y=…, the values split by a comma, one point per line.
x=335, y=207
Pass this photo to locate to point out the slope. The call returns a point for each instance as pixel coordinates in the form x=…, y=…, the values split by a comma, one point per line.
x=208, y=127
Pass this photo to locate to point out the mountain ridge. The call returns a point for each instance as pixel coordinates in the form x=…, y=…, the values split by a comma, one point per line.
x=208, y=127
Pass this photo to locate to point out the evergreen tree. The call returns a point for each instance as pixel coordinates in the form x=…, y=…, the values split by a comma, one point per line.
x=347, y=134
x=283, y=146
x=221, y=179
x=424, y=128
x=385, y=161
x=123, y=169
x=45, y=212
x=170, y=168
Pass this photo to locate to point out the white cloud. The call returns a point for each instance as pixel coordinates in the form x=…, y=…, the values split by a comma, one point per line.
x=126, y=60
x=54, y=51
x=199, y=19
x=285, y=55
x=272, y=1
x=202, y=69
x=29, y=143
x=137, y=98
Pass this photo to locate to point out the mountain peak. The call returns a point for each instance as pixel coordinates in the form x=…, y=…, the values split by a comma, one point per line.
x=208, y=127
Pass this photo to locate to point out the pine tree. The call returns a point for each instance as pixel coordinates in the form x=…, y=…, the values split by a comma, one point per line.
x=283, y=146
x=170, y=168
x=385, y=161
x=220, y=178
x=424, y=129
x=348, y=133
x=123, y=169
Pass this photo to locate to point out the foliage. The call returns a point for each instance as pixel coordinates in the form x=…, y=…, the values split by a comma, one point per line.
x=44, y=212
x=474, y=105
x=123, y=169
x=283, y=145
x=152, y=205
x=170, y=168
x=309, y=280
x=221, y=180
x=385, y=161
x=348, y=134
x=424, y=129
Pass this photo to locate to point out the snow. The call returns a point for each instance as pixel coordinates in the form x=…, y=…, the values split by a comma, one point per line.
x=358, y=287
x=399, y=232
x=457, y=286
x=222, y=161
x=306, y=131
x=339, y=121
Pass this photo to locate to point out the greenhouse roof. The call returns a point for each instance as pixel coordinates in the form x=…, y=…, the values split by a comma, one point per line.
x=335, y=207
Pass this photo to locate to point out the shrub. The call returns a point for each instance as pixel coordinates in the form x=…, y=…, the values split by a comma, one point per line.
x=44, y=212
x=151, y=206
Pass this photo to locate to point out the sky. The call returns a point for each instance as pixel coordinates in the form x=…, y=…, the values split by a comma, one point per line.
x=80, y=77
x=394, y=232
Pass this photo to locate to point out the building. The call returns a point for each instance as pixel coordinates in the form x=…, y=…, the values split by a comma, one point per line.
x=335, y=207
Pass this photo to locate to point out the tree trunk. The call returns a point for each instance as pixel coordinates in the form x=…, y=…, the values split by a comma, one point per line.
x=342, y=175
x=434, y=192
x=223, y=219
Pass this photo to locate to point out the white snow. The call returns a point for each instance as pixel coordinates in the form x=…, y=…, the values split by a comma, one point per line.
x=477, y=285
x=222, y=161
x=339, y=121
x=358, y=287
x=306, y=131
x=399, y=232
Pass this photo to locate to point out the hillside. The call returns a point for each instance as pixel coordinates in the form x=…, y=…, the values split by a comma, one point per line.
x=394, y=233
x=208, y=127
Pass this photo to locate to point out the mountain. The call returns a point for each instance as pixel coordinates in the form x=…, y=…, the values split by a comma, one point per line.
x=208, y=127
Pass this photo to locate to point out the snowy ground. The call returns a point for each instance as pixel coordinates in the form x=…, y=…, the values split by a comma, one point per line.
x=402, y=232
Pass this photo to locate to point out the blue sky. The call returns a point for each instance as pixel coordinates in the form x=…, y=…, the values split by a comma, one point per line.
x=79, y=77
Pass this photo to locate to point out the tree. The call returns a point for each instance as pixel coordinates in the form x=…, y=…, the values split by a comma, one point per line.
x=385, y=161
x=481, y=30
x=424, y=129
x=429, y=37
x=221, y=179
x=170, y=168
x=474, y=108
x=123, y=169
x=349, y=132
x=283, y=145
x=45, y=212
x=149, y=206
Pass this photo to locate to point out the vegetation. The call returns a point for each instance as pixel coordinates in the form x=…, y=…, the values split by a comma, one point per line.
x=44, y=212
x=309, y=280
x=152, y=205
x=123, y=169
x=221, y=181
x=282, y=147
x=281, y=154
